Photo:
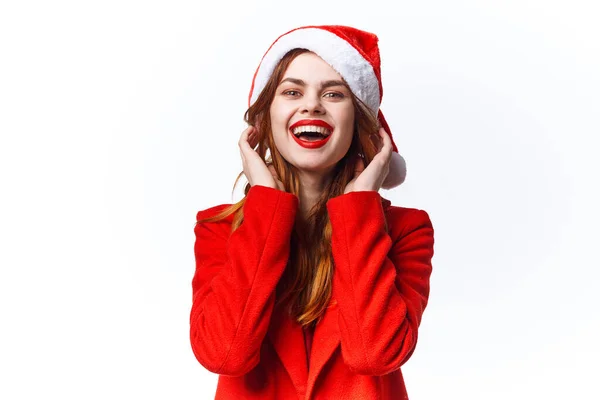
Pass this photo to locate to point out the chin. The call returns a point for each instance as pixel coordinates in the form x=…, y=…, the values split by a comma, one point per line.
x=316, y=166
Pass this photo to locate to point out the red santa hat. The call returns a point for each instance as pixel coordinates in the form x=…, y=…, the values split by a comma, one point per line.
x=352, y=53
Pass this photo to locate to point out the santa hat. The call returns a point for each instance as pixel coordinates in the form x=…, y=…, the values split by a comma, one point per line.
x=353, y=54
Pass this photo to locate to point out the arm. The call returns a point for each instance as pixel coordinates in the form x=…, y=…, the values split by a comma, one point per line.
x=235, y=280
x=382, y=288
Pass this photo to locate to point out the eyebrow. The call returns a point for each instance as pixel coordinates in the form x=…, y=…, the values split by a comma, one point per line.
x=324, y=84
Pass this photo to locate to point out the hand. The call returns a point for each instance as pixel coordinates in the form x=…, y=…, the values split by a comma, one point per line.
x=372, y=177
x=255, y=169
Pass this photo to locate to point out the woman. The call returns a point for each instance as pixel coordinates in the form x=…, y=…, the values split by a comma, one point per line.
x=312, y=286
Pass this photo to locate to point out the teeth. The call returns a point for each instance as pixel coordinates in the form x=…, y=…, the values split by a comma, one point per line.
x=311, y=128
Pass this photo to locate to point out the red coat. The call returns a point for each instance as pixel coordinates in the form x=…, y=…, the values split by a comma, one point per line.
x=380, y=290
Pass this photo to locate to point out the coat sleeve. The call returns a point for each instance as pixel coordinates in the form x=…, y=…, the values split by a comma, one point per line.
x=381, y=285
x=235, y=279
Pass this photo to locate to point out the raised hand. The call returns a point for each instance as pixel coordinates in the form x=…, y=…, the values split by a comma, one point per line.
x=255, y=169
x=372, y=177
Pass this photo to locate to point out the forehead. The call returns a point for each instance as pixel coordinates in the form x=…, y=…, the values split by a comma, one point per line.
x=310, y=68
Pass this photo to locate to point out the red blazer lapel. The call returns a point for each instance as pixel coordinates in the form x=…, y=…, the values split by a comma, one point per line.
x=325, y=340
x=288, y=340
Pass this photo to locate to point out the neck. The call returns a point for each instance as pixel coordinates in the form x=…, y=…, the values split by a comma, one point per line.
x=311, y=187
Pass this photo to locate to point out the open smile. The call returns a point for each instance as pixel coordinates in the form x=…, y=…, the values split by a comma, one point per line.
x=311, y=133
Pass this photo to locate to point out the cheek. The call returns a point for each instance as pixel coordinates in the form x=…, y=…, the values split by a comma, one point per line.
x=344, y=115
x=348, y=123
x=279, y=123
x=348, y=129
x=280, y=117
x=350, y=116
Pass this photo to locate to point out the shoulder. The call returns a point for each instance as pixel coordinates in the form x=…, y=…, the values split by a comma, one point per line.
x=211, y=211
x=259, y=198
x=220, y=229
x=404, y=220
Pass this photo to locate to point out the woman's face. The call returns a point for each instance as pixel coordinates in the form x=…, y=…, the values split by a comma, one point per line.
x=311, y=92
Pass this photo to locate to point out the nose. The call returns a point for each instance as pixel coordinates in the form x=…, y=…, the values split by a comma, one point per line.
x=312, y=105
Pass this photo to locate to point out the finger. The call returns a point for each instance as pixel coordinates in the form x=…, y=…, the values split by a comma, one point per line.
x=386, y=147
x=247, y=131
x=245, y=135
x=244, y=145
x=244, y=139
x=387, y=139
x=384, y=137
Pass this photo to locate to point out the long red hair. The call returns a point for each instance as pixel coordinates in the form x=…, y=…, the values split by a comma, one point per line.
x=306, y=284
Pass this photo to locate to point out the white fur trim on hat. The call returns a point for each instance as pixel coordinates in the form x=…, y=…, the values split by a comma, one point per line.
x=334, y=50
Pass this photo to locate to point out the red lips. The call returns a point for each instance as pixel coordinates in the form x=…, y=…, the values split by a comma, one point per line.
x=311, y=145
x=315, y=122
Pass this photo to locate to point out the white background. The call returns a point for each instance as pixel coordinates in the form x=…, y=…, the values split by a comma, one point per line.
x=119, y=120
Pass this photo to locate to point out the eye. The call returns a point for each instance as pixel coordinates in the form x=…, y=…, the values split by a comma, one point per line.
x=291, y=91
x=335, y=94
